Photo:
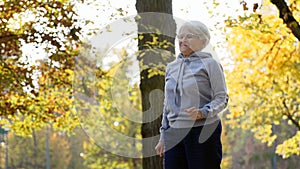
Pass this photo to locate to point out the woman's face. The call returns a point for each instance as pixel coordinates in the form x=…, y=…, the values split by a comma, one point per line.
x=189, y=42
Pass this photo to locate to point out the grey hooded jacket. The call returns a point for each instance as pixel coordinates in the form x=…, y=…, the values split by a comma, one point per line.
x=194, y=81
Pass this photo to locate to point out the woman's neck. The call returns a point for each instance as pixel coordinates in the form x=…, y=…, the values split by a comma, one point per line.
x=187, y=55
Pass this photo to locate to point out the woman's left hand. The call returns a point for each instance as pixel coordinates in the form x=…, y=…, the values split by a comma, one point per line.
x=194, y=113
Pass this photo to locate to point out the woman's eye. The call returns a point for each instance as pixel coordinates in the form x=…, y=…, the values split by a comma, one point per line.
x=189, y=36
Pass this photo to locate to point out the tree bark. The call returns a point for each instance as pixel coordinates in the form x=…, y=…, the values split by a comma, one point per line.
x=287, y=16
x=161, y=25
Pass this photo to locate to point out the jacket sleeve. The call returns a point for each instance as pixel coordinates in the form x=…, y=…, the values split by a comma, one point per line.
x=165, y=121
x=164, y=124
x=219, y=99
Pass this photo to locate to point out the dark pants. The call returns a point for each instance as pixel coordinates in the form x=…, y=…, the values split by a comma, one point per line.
x=190, y=153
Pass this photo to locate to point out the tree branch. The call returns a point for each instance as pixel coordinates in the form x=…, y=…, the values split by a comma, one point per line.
x=289, y=115
x=6, y=38
x=287, y=16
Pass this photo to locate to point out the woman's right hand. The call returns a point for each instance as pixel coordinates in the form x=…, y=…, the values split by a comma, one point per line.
x=160, y=148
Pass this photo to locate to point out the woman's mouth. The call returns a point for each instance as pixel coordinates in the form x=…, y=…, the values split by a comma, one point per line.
x=184, y=46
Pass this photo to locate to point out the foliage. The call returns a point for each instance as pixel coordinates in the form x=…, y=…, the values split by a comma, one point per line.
x=290, y=146
x=264, y=77
x=33, y=94
x=38, y=93
x=287, y=16
x=106, y=101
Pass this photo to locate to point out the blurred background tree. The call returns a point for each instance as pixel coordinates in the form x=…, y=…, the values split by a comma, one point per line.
x=36, y=93
x=264, y=78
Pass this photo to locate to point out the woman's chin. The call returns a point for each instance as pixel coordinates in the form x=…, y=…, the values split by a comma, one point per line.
x=186, y=53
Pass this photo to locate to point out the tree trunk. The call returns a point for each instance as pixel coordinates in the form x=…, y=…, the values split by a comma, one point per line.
x=153, y=29
x=287, y=16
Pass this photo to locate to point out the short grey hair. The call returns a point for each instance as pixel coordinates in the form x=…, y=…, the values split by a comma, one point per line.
x=198, y=28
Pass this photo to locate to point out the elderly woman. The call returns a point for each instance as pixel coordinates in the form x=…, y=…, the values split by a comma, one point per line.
x=195, y=92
